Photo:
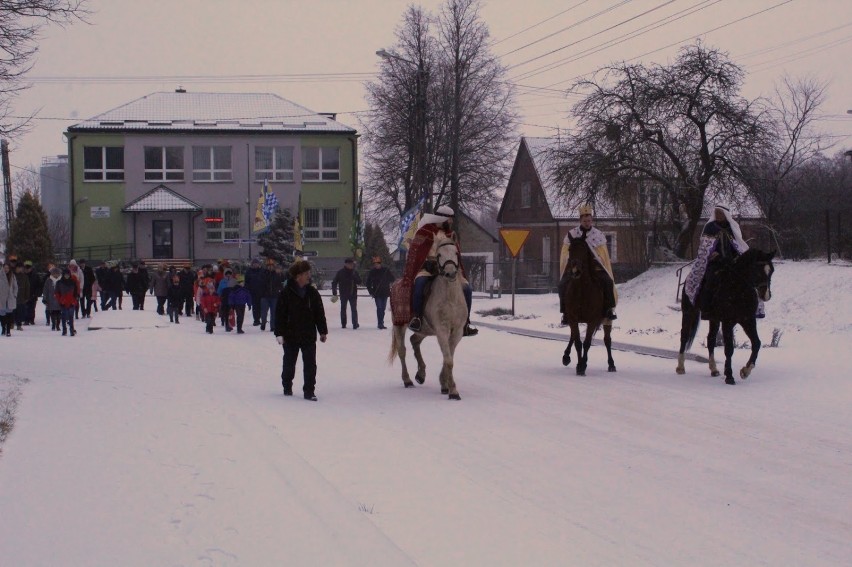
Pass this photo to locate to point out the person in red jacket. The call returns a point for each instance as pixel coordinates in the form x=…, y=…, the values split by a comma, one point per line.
x=420, y=263
x=209, y=306
x=67, y=292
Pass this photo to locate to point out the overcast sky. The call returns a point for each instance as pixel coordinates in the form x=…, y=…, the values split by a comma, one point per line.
x=131, y=48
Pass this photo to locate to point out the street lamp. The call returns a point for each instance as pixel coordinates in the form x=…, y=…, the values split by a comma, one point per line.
x=421, y=77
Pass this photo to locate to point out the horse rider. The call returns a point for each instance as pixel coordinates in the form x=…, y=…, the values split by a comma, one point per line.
x=421, y=263
x=721, y=241
x=602, y=275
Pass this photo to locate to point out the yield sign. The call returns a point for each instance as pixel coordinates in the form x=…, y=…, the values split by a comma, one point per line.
x=514, y=239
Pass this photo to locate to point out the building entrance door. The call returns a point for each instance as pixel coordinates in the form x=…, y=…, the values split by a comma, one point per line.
x=162, y=239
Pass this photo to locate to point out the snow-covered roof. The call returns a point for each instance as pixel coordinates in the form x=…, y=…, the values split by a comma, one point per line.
x=161, y=199
x=560, y=207
x=184, y=111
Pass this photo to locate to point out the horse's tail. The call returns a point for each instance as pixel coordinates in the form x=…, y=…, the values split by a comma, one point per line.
x=692, y=318
x=394, y=349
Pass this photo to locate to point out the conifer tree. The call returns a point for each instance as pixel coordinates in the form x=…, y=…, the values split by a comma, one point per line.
x=375, y=245
x=29, y=238
x=277, y=242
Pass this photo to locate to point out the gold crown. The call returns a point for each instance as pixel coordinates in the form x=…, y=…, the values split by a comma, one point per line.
x=585, y=210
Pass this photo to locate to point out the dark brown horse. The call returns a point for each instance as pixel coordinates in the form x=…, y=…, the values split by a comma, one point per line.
x=582, y=300
x=747, y=279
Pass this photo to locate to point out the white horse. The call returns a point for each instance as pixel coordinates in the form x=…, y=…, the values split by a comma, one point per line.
x=444, y=316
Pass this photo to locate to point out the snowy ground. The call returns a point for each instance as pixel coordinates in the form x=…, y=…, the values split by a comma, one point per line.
x=160, y=445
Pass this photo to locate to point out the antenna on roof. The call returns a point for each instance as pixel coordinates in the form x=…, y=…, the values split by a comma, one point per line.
x=180, y=89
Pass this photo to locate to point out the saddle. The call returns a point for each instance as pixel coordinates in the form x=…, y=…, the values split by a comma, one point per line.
x=400, y=299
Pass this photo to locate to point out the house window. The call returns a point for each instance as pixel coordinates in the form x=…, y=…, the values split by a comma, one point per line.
x=320, y=224
x=211, y=163
x=103, y=163
x=228, y=227
x=612, y=246
x=320, y=164
x=273, y=163
x=163, y=163
x=526, y=195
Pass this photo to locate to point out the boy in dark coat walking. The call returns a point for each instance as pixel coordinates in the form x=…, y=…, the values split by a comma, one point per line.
x=299, y=316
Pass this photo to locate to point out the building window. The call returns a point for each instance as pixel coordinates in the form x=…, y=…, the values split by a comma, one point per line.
x=320, y=164
x=273, y=163
x=163, y=163
x=211, y=163
x=228, y=227
x=612, y=246
x=320, y=224
x=103, y=163
x=526, y=195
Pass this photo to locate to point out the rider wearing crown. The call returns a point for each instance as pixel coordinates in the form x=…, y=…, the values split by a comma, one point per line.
x=421, y=263
x=596, y=241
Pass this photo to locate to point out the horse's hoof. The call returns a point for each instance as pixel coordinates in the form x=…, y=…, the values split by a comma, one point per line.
x=581, y=372
x=566, y=360
x=409, y=385
x=455, y=397
x=612, y=368
x=714, y=373
x=445, y=391
x=420, y=378
x=730, y=380
x=745, y=372
x=680, y=370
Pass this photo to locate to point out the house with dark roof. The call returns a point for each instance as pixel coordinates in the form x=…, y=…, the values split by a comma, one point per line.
x=533, y=201
x=179, y=174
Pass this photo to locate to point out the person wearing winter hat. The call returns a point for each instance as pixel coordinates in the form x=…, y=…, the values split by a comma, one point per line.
x=67, y=293
x=49, y=299
x=299, y=317
x=379, y=281
x=420, y=264
x=347, y=281
x=239, y=298
x=77, y=274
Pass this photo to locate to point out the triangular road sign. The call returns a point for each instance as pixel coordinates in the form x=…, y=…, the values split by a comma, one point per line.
x=514, y=239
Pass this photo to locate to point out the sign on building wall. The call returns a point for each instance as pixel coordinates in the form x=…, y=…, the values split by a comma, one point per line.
x=100, y=212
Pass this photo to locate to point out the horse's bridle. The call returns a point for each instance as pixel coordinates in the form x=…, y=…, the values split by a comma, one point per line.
x=442, y=265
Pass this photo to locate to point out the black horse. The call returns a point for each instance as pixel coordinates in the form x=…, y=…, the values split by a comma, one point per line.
x=582, y=301
x=740, y=284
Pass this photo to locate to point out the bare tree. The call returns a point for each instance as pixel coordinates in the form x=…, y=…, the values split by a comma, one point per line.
x=774, y=174
x=20, y=24
x=682, y=126
x=390, y=132
x=26, y=181
x=59, y=229
x=478, y=106
x=469, y=115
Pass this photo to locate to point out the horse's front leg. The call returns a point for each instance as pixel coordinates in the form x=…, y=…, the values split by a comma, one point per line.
x=750, y=328
x=566, y=355
x=688, y=327
x=728, y=336
x=448, y=347
x=608, y=344
x=416, y=339
x=712, y=336
x=583, y=361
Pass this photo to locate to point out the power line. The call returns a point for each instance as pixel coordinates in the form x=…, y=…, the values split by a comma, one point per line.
x=575, y=24
x=539, y=23
x=717, y=28
x=620, y=39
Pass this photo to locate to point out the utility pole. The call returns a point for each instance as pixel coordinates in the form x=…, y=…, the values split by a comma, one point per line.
x=7, y=184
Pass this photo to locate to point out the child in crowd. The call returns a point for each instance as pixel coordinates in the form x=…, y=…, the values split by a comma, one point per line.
x=209, y=306
x=238, y=299
x=66, y=293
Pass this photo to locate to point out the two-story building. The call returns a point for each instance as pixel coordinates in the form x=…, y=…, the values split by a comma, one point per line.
x=178, y=175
